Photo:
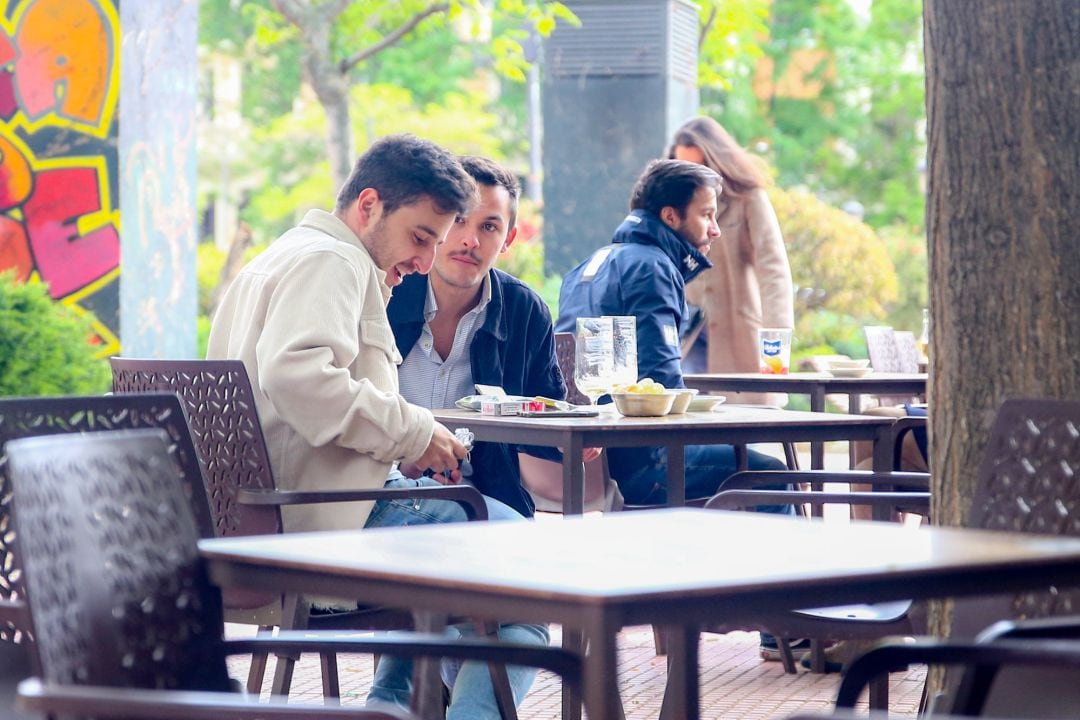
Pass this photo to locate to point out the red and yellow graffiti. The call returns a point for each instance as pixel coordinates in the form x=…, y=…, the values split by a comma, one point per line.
x=59, y=84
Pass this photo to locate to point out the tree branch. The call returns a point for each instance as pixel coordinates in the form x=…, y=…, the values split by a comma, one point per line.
x=351, y=62
x=294, y=12
x=705, y=28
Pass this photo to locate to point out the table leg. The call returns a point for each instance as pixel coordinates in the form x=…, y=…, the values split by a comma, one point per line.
x=572, y=641
x=600, y=671
x=573, y=478
x=883, y=462
x=676, y=475
x=817, y=449
x=427, y=701
x=854, y=407
x=681, y=696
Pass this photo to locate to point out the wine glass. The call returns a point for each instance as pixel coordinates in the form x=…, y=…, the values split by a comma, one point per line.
x=594, y=357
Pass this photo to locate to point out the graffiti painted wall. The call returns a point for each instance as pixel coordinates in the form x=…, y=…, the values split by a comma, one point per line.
x=59, y=88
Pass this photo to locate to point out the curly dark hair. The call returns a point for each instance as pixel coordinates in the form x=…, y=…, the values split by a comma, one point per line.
x=671, y=183
x=404, y=169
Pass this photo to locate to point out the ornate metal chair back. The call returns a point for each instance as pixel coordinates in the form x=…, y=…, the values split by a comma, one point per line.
x=1029, y=482
x=39, y=416
x=220, y=406
x=114, y=582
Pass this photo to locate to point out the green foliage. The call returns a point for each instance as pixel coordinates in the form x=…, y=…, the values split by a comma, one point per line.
x=45, y=347
x=841, y=334
x=842, y=272
x=837, y=262
x=732, y=32
x=907, y=249
x=836, y=102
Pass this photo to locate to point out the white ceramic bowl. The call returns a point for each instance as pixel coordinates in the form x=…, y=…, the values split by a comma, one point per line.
x=644, y=404
x=855, y=372
x=683, y=396
x=705, y=403
x=847, y=364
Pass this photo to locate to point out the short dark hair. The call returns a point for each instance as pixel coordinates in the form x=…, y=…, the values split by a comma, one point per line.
x=671, y=183
x=404, y=169
x=490, y=173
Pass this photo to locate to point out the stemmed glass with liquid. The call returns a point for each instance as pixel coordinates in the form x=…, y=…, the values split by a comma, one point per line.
x=594, y=357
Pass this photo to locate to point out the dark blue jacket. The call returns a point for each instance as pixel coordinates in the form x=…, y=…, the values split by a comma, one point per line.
x=642, y=273
x=514, y=349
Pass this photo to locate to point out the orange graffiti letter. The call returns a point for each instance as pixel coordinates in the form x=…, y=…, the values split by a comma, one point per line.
x=65, y=58
x=16, y=178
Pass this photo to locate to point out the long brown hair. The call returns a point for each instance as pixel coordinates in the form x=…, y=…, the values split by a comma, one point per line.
x=739, y=169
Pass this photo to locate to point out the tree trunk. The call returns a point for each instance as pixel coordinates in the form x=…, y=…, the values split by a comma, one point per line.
x=333, y=93
x=1003, y=140
x=329, y=79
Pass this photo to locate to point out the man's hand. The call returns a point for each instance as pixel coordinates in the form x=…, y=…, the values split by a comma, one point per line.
x=443, y=454
x=587, y=454
x=412, y=470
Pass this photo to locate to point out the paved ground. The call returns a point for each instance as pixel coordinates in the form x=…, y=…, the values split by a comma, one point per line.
x=736, y=683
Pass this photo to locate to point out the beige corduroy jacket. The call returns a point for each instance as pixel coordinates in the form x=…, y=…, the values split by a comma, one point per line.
x=748, y=287
x=308, y=319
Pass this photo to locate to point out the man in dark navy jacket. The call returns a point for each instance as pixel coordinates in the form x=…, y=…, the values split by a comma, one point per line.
x=462, y=324
x=658, y=248
x=468, y=323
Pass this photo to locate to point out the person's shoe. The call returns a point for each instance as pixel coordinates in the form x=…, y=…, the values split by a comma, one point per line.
x=840, y=654
x=770, y=650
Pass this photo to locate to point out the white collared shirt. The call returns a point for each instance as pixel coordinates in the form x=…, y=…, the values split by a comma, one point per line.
x=428, y=380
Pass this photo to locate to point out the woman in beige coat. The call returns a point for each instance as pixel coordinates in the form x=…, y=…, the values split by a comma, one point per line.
x=749, y=285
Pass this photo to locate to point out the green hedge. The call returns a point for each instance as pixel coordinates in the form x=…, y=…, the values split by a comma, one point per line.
x=45, y=347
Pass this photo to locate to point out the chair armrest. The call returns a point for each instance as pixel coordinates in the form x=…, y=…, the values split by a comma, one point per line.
x=735, y=499
x=118, y=702
x=749, y=479
x=547, y=657
x=988, y=656
x=1055, y=627
x=902, y=427
x=468, y=496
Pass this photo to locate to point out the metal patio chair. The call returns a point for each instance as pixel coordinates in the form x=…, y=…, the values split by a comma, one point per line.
x=125, y=621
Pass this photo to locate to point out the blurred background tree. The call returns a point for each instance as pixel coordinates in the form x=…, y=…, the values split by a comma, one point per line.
x=828, y=92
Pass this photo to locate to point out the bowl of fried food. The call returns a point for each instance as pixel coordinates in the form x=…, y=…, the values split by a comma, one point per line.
x=645, y=398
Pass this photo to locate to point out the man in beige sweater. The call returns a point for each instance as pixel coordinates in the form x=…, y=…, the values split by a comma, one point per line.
x=308, y=319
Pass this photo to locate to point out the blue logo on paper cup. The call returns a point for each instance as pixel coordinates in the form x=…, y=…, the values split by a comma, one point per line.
x=770, y=348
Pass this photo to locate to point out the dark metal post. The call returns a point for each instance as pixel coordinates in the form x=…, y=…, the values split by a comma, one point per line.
x=614, y=91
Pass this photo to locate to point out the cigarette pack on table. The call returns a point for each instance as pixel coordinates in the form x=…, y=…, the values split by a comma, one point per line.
x=510, y=406
x=500, y=407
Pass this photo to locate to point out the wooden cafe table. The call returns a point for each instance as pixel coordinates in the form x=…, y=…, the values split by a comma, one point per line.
x=679, y=568
x=817, y=386
x=732, y=425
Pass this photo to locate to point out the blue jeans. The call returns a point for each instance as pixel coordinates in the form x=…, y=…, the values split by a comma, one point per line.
x=472, y=695
x=707, y=466
x=398, y=513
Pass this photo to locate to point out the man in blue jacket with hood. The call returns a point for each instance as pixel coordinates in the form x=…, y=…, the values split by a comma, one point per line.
x=658, y=248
